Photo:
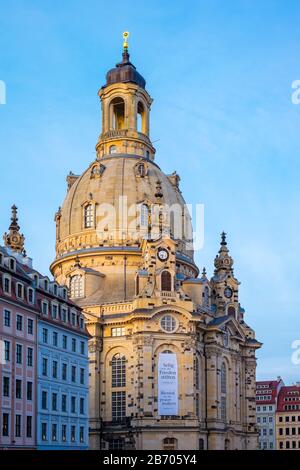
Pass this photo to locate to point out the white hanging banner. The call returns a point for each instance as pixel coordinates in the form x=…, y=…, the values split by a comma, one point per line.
x=167, y=384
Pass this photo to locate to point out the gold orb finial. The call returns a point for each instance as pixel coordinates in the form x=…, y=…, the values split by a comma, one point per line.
x=125, y=40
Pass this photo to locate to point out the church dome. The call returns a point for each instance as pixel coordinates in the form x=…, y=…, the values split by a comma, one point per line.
x=124, y=183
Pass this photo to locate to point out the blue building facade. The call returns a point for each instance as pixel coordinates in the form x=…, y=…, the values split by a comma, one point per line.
x=62, y=377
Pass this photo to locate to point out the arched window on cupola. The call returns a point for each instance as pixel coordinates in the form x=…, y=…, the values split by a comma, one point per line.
x=137, y=285
x=89, y=216
x=117, y=114
x=166, y=281
x=76, y=287
x=141, y=127
x=112, y=149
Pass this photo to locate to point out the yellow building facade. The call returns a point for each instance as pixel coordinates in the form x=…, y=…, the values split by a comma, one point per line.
x=172, y=361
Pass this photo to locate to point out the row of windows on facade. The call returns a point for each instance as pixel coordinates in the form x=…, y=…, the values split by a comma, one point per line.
x=266, y=445
x=18, y=425
x=64, y=433
x=289, y=445
x=18, y=354
x=266, y=432
x=44, y=429
x=264, y=419
x=263, y=397
x=63, y=407
x=62, y=341
x=27, y=293
x=63, y=313
x=7, y=321
x=289, y=431
x=19, y=291
x=6, y=388
x=264, y=408
x=64, y=371
x=289, y=419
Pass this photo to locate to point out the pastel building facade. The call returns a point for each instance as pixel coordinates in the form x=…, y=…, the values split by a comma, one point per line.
x=62, y=419
x=44, y=356
x=266, y=403
x=288, y=418
x=18, y=326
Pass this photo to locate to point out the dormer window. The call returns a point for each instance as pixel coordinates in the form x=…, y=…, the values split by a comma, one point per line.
x=55, y=289
x=89, y=216
x=46, y=285
x=76, y=287
x=12, y=264
x=1, y=259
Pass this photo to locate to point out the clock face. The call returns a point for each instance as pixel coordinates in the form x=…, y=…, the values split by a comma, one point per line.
x=228, y=292
x=162, y=254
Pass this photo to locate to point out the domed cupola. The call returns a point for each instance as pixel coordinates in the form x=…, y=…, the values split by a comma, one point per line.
x=125, y=112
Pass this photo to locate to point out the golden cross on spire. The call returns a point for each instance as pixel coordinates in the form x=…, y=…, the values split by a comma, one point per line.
x=125, y=40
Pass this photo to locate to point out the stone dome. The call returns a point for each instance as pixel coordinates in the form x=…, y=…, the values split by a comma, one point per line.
x=138, y=181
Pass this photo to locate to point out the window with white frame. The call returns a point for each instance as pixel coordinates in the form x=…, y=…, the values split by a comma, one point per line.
x=118, y=371
x=118, y=331
x=7, y=284
x=118, y=406
x=89, y=216
x=19, y=290
x=76, y=287
x=168, y=323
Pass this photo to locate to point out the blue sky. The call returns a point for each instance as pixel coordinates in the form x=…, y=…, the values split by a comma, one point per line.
x=220, y=74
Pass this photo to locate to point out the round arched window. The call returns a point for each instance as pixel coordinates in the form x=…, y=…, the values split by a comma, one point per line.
x=168, y=323
x=112, y=149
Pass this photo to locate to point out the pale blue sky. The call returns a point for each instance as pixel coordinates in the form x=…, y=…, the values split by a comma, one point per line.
x=220, y=74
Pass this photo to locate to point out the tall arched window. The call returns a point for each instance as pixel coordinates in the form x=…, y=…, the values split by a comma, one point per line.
x=206, y=297
x=89, y=216
x=170, y=443
x=137, y=285
x=166, y=281
x=223, y=400
x=197, y=372
x=118, y=370
x=117, y=113
x=144, y=215
x=76, y=287
x=113, y=149
x=141, y=117
x=118, y=384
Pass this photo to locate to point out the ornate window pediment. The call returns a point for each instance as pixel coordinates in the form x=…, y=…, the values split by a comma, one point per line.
x=97, y=170
x=141, y=169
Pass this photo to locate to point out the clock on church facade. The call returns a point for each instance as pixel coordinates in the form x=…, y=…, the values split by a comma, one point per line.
x=172, y=361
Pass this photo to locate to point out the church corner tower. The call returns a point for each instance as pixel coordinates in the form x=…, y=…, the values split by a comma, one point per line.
x=172, y=361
